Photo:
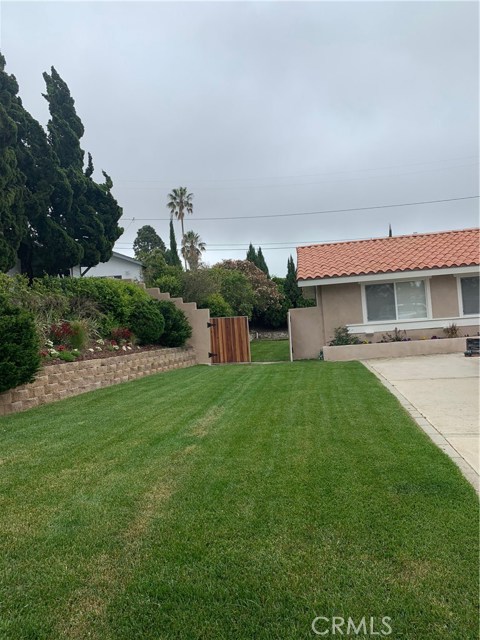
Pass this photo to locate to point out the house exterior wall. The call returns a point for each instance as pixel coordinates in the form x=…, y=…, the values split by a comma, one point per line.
x=341, y=305
x=443, y=290
x=115, y=267
x=306, y=333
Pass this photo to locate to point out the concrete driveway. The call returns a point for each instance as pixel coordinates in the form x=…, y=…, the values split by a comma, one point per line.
x=442, y=394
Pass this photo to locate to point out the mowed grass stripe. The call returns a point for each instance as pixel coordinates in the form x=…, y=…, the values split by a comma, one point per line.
x=232, y=502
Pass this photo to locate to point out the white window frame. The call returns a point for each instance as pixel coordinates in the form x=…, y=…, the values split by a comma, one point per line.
x=428, y=301
x=458, y=278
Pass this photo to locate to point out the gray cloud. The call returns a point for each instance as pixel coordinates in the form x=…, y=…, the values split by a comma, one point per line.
x=262, y=108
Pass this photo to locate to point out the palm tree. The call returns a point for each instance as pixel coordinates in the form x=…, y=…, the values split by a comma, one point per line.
x=192, y=248
x=179, y=202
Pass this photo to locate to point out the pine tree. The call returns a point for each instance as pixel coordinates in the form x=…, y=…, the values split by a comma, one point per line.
x=252, y=254
x=171, y=255
x=261, y=264
x=291, y=288
x=146, y=241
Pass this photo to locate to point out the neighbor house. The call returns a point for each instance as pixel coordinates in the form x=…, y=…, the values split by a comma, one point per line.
x=119, y=266
x=420, y=284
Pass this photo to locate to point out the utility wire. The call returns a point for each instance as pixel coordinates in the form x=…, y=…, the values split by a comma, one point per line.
x=305, y=175
x=324, y=211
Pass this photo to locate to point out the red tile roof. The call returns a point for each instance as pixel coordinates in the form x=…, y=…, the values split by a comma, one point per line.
x=387, y=255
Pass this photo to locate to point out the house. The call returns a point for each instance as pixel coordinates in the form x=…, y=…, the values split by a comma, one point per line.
x=419, y=283
x=119, y=266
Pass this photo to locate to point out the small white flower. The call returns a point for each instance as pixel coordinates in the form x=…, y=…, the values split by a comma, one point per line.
x=116, y=347
x=49, y=343
x=129, y=348
x=91, y=350
x=124, y=348
x=53, y=352
x=100, y=341
x=98, y=348
x=74, y=350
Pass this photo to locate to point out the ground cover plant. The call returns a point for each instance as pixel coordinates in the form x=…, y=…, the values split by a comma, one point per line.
x=232, y=502
x=269, y=350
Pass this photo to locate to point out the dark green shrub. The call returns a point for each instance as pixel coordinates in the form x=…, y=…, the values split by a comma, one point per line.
x=19, y=346
x=146, y=322
x=342, y=337
x=177, y=328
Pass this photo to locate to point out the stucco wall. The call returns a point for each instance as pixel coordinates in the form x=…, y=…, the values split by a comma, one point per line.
x=198, y=319
x=306, y=330
x=60, y=381
x=443, y=290
x=394, y=349
x=342, y=305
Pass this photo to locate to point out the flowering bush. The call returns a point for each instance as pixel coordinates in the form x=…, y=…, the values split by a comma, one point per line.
x=59, y=332
x=120, y=334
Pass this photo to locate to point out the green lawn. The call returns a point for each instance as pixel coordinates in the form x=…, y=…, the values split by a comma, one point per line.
x=269, y=350
x=232, y=503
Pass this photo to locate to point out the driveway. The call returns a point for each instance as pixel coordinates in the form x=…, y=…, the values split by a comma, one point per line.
x=442, y=394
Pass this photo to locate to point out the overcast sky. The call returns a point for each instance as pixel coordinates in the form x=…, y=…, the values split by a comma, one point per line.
x=266, y=108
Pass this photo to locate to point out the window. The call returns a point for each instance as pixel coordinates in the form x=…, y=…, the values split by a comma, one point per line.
x=470, y=295
x=396, y=301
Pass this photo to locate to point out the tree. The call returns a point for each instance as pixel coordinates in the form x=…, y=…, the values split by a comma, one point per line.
x=237, y=291
x=179, y=203
x=261, y=264
x=13, y=225
x=146, y=241
x=252, y=254
x=171, y=255
x=192, y=248
x=47, y=195
x=94, y=213
x=291, y=288
x=266, y=293
x=155, y=267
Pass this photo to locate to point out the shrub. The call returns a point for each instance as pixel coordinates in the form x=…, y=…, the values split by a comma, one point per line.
x=451, y=331
x=121, y=334
x=397, y=335
x=147, y=322
x=177, y=328
x=114, y=298
x=78, y=337
x=169, y=284
x=19, y=346
x=219, y=307
x=342, y=336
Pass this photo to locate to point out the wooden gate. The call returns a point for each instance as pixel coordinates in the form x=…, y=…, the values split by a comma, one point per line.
x=229, y=340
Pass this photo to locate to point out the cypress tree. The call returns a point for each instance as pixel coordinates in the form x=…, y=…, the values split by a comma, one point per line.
x=252, y=254
x=12, y=217
x=291, y=288
x=171, y=255
x=261, y=264
x=93, y=216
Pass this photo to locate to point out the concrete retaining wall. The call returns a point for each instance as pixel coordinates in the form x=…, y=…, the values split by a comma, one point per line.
x=394, y=349
x=60, y=381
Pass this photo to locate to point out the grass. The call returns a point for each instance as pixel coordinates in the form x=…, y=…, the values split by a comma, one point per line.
x=233, y=502
x=269, y=350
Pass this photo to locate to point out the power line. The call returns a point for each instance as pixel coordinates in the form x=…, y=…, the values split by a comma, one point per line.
x=305, y=175
x=154, y=184
x=324, y=211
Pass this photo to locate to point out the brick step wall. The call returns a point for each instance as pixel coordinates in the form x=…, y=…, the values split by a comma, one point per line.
x=60, y=381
